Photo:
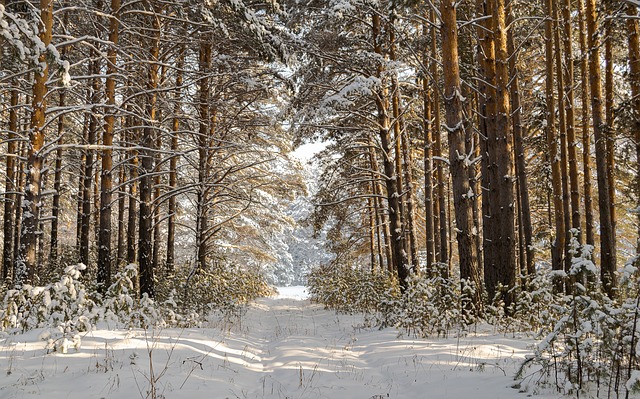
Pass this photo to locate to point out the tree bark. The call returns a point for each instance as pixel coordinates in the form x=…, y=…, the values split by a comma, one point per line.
x=204, y=132
x=11, y=188
x=569, y=105
x=428, y=161
x=526, y=227
x=26, y=262
x=586, y=135
x=57, y=186
x=607, y=235
x=564, y=168
x=400, y=258
x=469, y=266
x=106, y=182
x=634, y=82
x=173, y=167
x=147, y=144
x=85, y=232
x=557, y=249
x=439, y=207
x=133, y=194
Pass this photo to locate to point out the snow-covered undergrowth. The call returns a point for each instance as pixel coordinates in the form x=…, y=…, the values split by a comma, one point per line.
x=280, y=348
x=65, y=308
x=582, y=344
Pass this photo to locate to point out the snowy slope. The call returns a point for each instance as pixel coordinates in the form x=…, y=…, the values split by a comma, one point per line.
x=281, y=348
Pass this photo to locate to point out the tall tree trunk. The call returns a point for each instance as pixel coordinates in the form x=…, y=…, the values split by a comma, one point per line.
x=106, y=182
x=607, y=235
x=440, y=208
x=156, y=200
x=586, y=135
x=499, y=223
x=400, y=257
x=609, y=113
x=488, y=107
x=32, y=194
x=469, y=266
x=133, y=194
x=428, y=162
x=504, y=201
x=526, y=227
x=80, y=195
x=204, y=130
x=57, y=186
x=85, y=232
x=17, y=229
x=399, y=156
x=122, y=246
x=567, y=36
x=382, y=216
x=634, y=82
x=552, y=145
x=173, y=167
x=403, y=163
x=147, y=144
x=11, y=187
x=564, y=169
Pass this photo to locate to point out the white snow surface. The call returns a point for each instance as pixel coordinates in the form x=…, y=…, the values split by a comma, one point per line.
x=282, y=347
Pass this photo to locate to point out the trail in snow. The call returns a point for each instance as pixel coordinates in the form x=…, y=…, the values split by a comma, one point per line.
x=281, y=348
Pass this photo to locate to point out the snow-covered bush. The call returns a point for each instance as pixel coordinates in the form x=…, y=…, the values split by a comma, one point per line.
x=593, y=344
x=429, y=306
x=63, y=304
x=348, y=289
x=122, y=305
x=120, y=299
x=216, y=289
x=63, y=308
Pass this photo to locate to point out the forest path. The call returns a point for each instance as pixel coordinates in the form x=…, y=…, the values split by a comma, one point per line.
x=279, y=348
x=306, y=351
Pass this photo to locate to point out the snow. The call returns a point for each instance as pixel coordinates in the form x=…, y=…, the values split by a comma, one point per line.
x=282, y=347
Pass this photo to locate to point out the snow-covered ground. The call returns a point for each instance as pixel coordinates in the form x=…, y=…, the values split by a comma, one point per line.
x=283, y=347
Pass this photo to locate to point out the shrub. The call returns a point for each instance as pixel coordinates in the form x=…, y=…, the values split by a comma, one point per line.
x=348, y=289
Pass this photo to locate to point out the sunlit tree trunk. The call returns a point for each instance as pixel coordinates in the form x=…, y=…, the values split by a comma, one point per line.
x=106, y=182
x=634, y=82
x=524, y=209
x=469, y=266
x=607, y=235
x=439, y=207
x=427, y=125
x=558, y=245
x=609, y=112
x=562, y=129
x=173, y=167
x=26, y=262
x=585, y=121
x=204, y=131
x=567, y=37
